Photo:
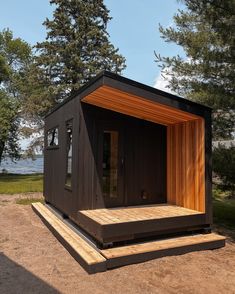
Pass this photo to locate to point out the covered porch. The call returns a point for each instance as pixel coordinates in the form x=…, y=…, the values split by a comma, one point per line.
x=183, y=173
x=186, y=150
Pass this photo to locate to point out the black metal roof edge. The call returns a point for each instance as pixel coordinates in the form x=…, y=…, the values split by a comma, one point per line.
x=152, y=89
x=130, y=82
x=87, y=85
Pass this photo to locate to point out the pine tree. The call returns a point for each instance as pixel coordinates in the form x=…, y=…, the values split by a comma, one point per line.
x=205, y=30
x=77, y=46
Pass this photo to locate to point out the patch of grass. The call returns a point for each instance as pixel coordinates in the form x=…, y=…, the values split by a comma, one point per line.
x=223, y=209
x=28, y=201
x=220, y=194
x=16, y=183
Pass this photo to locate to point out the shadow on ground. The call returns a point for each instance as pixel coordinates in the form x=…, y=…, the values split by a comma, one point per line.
x=16, y=279
x=230, y=234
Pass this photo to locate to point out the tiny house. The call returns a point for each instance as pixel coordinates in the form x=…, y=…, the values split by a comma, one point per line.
x=126, y=161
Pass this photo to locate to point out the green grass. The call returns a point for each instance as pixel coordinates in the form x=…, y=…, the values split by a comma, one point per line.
x=15, y=183
x=223, y=210
x=28, y=201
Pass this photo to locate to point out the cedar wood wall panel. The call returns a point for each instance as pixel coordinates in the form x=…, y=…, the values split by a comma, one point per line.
x=186, y=164
x=129, y=104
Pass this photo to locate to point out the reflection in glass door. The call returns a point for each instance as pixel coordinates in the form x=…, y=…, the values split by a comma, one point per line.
x=110, y=164
x=69, y=130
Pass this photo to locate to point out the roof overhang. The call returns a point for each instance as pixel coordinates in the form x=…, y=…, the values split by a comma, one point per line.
x=117, y=93
x=137, y=102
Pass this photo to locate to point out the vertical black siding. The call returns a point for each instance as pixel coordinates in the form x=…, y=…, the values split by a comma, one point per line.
x=145, y=163
x=208, y=167
x=55, y=160
x=144, y=154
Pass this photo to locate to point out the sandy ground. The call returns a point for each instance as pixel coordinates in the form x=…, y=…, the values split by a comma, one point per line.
x=33, y=261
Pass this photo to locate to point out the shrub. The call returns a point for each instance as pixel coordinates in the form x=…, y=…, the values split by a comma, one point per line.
x=224, y=165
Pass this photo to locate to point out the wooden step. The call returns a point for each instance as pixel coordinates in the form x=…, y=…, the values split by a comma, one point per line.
x=81, y=250
x=125, y=223
x=149, y=250
x=95, y=260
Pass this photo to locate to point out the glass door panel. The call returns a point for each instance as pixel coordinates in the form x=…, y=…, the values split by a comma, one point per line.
x=110, y=164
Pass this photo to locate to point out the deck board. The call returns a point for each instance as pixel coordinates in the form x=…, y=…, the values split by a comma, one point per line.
x=125, y=223
x=82, y=251
x=129, y=254
x=95, y=260
x=107, y=216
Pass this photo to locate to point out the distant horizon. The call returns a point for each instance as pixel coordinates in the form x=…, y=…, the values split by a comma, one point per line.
x=23, y=154
x=22, y=166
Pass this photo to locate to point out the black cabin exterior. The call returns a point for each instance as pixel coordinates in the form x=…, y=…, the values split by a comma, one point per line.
x=119, y=144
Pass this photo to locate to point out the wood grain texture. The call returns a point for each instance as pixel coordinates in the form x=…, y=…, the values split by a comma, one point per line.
x=106, y=216
x=81, y=250
x=185, y=142
x=145, y=251
x=186, y=165
x=129, y=104
x=125, y=223
x=95, y=260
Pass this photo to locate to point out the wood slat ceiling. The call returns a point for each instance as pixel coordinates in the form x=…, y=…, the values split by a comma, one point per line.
x=122, y=102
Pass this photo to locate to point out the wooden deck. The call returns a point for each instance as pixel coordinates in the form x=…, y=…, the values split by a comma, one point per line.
x=81, y=250
x=124, y=223
x=107, y=216
x=95, y=260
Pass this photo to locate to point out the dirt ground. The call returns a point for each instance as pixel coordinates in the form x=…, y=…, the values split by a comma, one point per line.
x=33, y=261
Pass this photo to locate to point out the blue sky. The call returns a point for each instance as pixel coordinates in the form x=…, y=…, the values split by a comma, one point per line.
x=133, y=29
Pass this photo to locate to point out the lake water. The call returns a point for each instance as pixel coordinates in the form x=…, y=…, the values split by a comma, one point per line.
x=23, y=166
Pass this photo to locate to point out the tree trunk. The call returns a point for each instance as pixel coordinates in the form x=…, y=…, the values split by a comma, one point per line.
x=2, y=145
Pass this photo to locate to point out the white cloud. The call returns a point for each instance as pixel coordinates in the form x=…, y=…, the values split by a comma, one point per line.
x=161, y=83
